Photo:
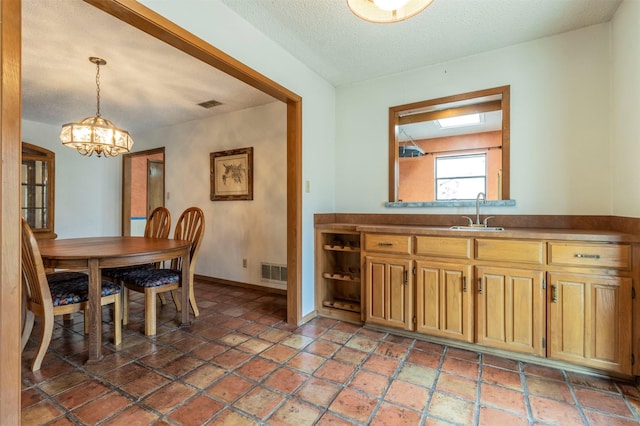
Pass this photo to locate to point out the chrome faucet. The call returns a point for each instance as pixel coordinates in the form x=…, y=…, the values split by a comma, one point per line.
x=482, y=196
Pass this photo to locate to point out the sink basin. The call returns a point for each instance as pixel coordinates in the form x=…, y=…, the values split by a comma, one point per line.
x=478, y=228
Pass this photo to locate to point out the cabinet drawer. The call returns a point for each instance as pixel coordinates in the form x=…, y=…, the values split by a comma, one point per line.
x=525, y=251
x=444, y=247
x=388, y=243
x=594, y=255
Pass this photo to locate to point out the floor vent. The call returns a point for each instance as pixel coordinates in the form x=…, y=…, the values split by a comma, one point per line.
x=273, y=273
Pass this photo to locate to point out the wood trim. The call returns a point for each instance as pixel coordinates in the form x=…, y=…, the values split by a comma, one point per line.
x=156, y=25
x=231, y=283
x=506, y=144
x=10, y=268
x=294, y=212
x=146, y=20
x=394, y=118
x=125, y=228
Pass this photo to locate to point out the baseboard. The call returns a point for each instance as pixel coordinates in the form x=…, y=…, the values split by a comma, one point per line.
x=239, y=284
x=305, y=319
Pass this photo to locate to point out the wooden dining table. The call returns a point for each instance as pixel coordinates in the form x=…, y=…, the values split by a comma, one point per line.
x=95, y=253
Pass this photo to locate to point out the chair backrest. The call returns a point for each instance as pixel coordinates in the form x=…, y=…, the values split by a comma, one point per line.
x=158, y=223
x=190, y=226
x=33, y=272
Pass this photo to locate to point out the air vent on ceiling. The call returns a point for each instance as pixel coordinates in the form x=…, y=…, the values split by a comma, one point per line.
x=210, y=104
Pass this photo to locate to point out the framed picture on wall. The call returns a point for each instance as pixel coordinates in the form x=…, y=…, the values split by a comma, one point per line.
x=232, y=174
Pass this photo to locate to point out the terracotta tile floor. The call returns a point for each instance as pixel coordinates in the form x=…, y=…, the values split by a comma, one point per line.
x=240, y=364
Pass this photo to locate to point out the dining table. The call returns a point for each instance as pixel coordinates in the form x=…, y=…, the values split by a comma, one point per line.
x=95, y=253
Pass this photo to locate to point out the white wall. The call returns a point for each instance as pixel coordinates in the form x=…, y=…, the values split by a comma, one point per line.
x=215, y=23
x=559, y=124
x=87, y=189
x=625, y=158
x=234, y=230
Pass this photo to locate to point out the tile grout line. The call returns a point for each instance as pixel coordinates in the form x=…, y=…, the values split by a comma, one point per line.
x=425, y=411
x=525, y=388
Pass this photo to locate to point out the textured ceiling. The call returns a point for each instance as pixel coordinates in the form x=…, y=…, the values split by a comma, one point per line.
x=147, y=83
x=344, y=49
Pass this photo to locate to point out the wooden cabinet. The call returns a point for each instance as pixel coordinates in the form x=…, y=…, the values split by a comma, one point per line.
x=444, y=300
x=389, y=290
x=338, y=284
x=37, y=189
x=511, y=309
x=565, y=300
x=590, y=320
x=590, y=304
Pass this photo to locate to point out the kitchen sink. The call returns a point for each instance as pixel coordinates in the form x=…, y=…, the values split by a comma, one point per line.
x=477, y=228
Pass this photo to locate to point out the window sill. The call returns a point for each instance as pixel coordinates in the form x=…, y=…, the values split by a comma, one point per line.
x=452, y=203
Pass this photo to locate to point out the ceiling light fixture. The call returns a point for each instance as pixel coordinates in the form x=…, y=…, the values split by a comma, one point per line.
x=96, y=134
x=386, y=11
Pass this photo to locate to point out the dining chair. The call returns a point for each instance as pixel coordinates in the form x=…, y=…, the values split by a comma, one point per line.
x=157, y=226
x=57, y=293
x=190, y=226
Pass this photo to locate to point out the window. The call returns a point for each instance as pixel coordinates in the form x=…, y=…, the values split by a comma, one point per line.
x=460, y=177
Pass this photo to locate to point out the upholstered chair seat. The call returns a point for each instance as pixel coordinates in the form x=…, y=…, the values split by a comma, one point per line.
x=76, y=290
x=153, y=277
x=115, y=274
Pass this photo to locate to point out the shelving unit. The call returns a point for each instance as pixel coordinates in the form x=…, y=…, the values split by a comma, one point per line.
x=338, y=283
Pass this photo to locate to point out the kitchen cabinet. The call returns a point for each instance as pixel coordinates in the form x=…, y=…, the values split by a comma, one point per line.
x=510, y=294
x=389, y=280
x=511, y=309
x=546, y=295
x=444, y=300
x=444, y=287
x=389, y=289
x=590, y=315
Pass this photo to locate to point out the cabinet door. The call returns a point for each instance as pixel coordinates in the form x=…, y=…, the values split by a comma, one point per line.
x=444, y=304
x=511, y=309
x=388, y=291
x=590, y=320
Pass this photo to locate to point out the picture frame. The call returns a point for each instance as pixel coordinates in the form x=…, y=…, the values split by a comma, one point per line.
x=232, y=174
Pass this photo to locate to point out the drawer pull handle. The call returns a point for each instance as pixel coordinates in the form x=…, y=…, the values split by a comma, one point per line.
x=480, y=285
x=587, y=256
x=554, y=294
x=464, y=284
x=406, y=277
x=385, y=244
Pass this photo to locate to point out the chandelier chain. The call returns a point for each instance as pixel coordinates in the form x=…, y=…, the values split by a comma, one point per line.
x=98, y=88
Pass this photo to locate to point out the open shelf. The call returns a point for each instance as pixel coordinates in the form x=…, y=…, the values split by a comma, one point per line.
x=338, y=282
x=345, y=305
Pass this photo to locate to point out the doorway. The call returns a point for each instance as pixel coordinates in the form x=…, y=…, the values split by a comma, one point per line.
x=142, y=188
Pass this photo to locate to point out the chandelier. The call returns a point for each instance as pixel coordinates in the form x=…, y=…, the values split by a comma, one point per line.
x=386, y=11
x=96, y=134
